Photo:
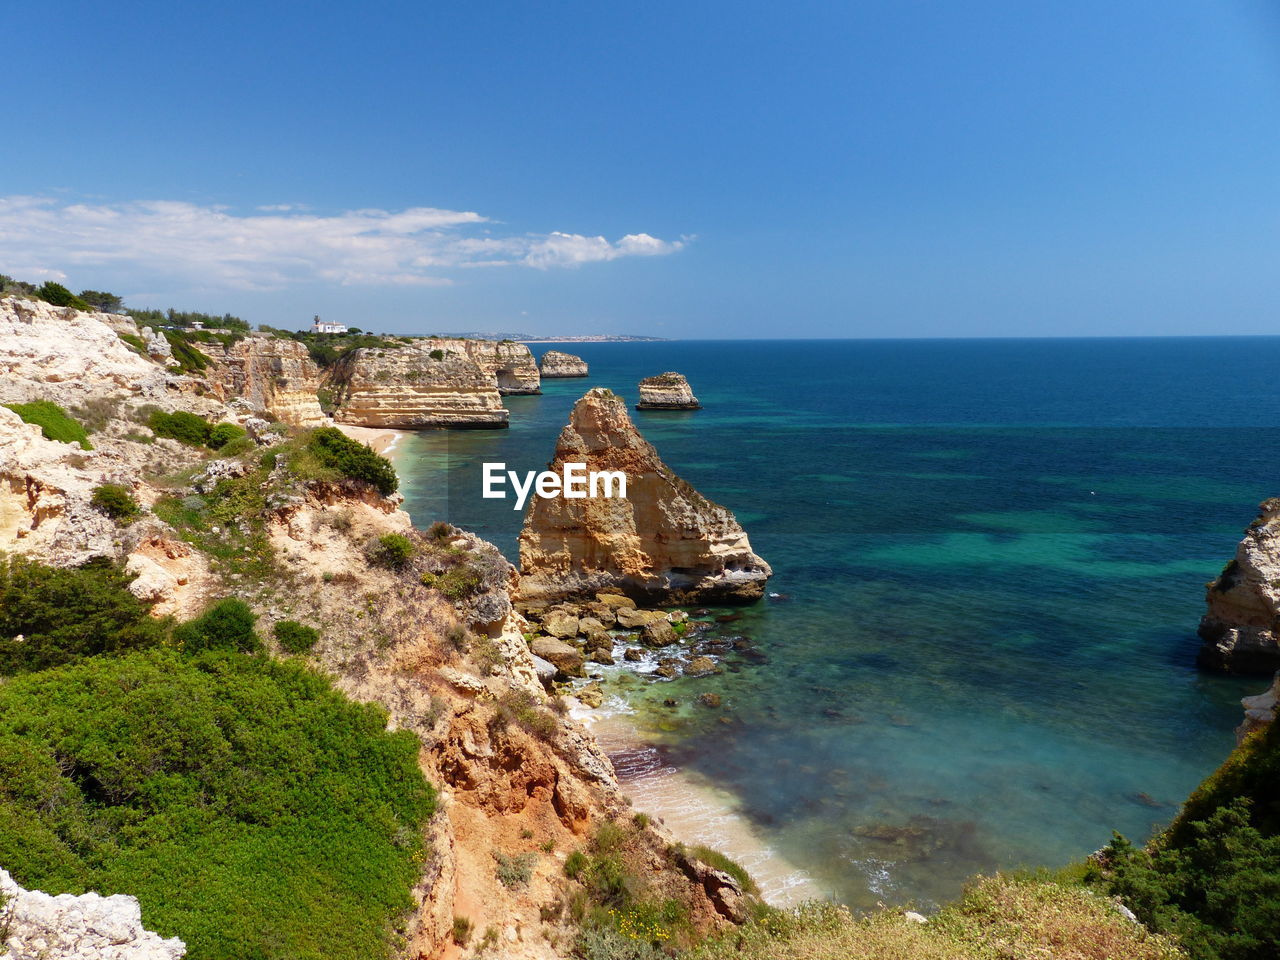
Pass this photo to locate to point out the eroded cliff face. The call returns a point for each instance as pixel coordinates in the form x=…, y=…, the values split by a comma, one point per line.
x=510, y=364
x=663, y=544
x=49, y=352
x=667, y=391
x=416, y=387
x=272, y=375
x=556, y=364
x=1241, y=629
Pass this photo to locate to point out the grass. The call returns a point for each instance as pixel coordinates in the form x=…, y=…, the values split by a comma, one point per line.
x=998, y=918
x=718, y=861
x=54, y=422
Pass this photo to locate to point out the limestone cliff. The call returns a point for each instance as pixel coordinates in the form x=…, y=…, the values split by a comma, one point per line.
x=667, y=391
x=510, y=364
x=557, y=364
x=48, y=352
x=665, y=543
x=415, y=387
x=273, y=375
x=1241, y=629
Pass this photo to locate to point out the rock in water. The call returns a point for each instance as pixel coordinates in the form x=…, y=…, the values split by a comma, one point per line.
x=1239, y=630
x=667, y=391
x=663, y=544
x=556, y=364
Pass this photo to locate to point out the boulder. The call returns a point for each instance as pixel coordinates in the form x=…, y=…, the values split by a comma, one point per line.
x=659, y=633
x=567, y=659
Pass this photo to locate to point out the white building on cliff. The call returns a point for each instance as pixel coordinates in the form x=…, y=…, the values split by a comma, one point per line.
x=321, y=326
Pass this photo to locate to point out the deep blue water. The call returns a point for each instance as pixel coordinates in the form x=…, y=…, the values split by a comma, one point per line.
x=995, y=555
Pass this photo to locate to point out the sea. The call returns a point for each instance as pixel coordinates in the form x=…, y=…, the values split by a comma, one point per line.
x=990, y=556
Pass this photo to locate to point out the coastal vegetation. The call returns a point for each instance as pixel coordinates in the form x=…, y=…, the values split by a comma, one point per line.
x=997, y=918
x=116, y=502
x=51, y=616
x=1212, y=879
x=232, y=794
x=54, y=422
x=334, y=449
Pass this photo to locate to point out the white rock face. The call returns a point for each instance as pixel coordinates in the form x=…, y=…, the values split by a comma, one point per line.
x=44, y=344
x=89, y=927
x=44, y=497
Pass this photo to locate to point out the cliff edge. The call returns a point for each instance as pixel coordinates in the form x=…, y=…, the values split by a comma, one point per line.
x=1241, y=628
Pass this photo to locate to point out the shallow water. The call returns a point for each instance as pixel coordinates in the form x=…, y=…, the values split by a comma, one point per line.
x=993, y=555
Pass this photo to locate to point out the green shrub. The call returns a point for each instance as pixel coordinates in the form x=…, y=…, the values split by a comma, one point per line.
x=461, y=932
x=295, y=637
x=238, y=446
x=574, y=864
x=1213, y=878
x=520, y=707
x=335, y=449
x=456, y=583
x=54, y=422
x=224, y=433
x=135, y=343
x=436, y=354
x=181, y=426
x=60, y=296
x=65, y=615
x=392, y=550
x=227, y=625
x=516, y=870
x=116, y=502
x=190, y=360
x=254, y=811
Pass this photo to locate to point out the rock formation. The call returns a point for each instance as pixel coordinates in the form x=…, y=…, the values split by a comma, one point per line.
x=274, y=375
x=416, y=387
x=1241, y=629
x=44, y=348
x=663, y=544
x=1260, y=710
x=510, y=364
x=556, y=364
x=667, y=391
x=37, y=926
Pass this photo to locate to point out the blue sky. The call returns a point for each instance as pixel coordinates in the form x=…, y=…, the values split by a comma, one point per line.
x=893, y=168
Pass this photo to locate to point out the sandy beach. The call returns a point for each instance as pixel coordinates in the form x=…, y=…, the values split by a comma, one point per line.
x=381, y=439
x=695, y=811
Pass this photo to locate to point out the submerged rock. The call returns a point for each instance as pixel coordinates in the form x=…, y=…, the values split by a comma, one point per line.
x=556, y=364
x=667, y=391
x=663, y=544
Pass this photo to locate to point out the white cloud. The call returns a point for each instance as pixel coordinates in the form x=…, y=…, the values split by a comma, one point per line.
x=281, y=244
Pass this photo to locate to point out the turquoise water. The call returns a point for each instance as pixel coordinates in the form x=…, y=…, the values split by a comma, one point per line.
x=993, y=556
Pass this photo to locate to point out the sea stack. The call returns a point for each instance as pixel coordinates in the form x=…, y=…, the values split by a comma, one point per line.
x=558, y=365
x=663, y=544
x=1241, y=629
x=667, y=391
